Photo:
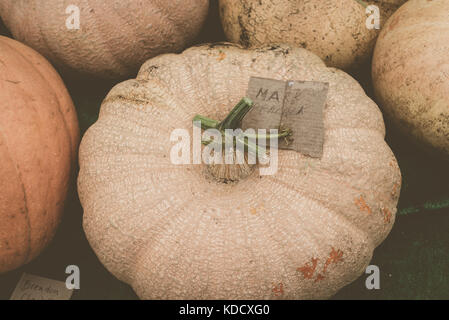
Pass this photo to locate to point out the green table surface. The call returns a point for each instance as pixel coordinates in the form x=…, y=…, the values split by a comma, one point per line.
x=413, y=260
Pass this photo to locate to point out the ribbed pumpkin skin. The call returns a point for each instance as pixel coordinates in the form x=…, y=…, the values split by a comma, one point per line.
x=171, y=233
x=334, y=30
x=116, y=36
x=411, y=71
x=38, y=145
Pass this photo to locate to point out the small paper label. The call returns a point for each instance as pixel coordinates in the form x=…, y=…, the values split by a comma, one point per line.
x=37, y=288
x=303, y=114
x=268, y=97
x=296, y=105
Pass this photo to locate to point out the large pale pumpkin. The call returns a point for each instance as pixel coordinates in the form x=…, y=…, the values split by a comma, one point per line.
x=334, y=30
x=172, y=232
x=411, y=71
x=115, y=36
x=38, y=146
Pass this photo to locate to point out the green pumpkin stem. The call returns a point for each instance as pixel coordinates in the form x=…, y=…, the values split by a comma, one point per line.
x=206, y=123
x=235, y=117
x=234, y=121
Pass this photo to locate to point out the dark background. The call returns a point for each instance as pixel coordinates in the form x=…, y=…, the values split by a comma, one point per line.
x=413, y=260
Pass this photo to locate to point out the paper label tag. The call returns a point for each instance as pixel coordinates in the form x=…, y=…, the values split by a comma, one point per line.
x=268, y=97
x=37, y=288
x=303, y=113
x=296, y=105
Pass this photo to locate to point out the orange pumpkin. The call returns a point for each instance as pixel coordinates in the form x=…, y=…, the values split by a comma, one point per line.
x=39, y=137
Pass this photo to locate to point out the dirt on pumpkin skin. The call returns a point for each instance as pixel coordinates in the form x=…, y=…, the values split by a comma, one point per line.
x=343, y=41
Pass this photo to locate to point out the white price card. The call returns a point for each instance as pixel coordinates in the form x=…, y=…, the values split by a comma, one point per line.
x=32, y=287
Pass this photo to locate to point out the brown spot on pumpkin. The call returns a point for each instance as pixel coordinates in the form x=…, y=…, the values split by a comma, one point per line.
x=319, y=277
x=152, y=69
x=12, y=81
x=387, y=215
x=393, y=163
x=363, y=206
x=334, y=257
x=394, y=22
x=278, y=289
x=394, y=192
x=255, y=210
x=308, y=269
x=221, y=56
